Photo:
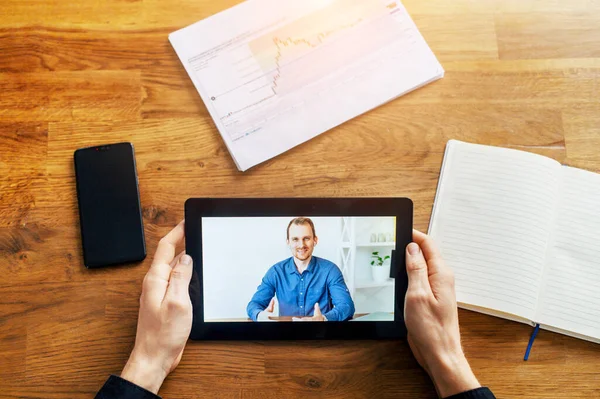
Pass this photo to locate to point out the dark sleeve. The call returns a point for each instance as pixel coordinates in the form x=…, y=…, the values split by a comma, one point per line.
x=479, y=393
x=118, y=388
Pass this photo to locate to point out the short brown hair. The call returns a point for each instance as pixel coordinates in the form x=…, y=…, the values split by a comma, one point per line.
x=299, y=222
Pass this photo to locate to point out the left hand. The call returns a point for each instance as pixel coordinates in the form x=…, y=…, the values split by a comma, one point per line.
x=165, y=318
x=317, y=315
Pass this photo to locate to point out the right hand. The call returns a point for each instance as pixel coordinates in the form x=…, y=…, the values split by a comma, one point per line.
x=266, y=314
x=431, y=318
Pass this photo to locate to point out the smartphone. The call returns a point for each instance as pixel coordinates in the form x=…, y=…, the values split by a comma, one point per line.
x=110, y=214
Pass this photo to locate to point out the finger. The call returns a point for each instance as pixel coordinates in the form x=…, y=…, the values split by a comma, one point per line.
x=179, y=282
x=271, y=306
x=430, y=250
x=155, y=286
x=165, y=252
x=416, y=268
x=317, y=310
x=174, y=262
x=156, y=281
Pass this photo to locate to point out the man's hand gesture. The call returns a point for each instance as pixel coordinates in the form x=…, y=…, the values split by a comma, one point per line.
x=318, y=316
x=266, y=314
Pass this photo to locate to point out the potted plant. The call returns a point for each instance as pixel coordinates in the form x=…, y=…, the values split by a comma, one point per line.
x=380, y=267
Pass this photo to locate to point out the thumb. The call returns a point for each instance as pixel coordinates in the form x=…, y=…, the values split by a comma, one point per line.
x=317, y=310
x=416, y=268
x=179, y=281
x=271, y=306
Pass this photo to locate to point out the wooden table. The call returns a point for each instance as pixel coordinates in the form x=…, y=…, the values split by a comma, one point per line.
x=520, y=73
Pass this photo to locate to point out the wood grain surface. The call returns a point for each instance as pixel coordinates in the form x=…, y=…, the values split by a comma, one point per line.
x=520, y=73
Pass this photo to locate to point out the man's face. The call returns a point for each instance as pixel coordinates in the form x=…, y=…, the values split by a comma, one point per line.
x=301, y=241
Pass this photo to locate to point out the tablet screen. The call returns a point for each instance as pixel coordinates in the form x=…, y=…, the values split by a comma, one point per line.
x=298, y=269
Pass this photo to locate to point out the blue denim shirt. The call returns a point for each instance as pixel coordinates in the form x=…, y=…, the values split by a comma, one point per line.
x=321, y=282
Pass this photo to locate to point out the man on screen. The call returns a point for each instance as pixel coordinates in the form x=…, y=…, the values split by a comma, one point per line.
x=307, y=287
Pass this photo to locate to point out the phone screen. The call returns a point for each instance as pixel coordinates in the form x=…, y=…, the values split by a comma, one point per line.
x=109, y=206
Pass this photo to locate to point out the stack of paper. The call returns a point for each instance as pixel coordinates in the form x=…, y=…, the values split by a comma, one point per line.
x=276, y=73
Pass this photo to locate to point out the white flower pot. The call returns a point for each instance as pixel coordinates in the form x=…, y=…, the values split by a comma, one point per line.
x=381, y=273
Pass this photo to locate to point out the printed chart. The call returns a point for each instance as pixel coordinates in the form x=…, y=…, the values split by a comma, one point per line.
x=276, y=73
x=267, y=73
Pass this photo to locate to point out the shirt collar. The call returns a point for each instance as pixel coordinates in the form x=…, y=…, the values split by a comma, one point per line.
x=291, y=266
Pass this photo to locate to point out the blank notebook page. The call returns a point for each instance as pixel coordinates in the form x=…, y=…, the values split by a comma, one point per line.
x=571, y=295
x=492, y=220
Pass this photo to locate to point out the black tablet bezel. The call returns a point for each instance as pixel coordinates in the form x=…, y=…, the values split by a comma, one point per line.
x=196, y=208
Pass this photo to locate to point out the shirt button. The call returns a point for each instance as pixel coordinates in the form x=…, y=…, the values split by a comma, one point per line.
x=301, y=306
x=300, y=293
x=301, y=279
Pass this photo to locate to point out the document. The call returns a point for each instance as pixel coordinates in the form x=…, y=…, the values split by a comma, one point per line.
x=276, y=73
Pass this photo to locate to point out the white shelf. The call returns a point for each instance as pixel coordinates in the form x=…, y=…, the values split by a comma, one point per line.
x=370, y=245
x=387, y=283
x=377, y=244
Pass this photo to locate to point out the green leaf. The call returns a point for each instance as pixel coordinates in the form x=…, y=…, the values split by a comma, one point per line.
x=375, y=253
x=387, y=257
x=372, y=263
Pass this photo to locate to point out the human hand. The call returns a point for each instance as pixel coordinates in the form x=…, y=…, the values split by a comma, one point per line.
x=317, y=315
x=165, y=318
x=431, y=318
x=266, y=314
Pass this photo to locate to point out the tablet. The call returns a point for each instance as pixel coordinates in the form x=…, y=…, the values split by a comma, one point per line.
x=308, y=268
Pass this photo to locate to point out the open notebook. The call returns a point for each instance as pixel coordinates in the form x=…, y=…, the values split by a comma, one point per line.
x=522, y=234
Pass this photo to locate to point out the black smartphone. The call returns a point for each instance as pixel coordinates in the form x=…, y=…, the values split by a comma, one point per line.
x=110, y=213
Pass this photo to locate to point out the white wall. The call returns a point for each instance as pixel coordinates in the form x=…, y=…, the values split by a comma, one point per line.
x=237, y=252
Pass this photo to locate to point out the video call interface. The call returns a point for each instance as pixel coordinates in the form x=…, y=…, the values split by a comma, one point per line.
x=298, y=269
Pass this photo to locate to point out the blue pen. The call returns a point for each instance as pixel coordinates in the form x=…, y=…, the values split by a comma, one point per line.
x=533, y=335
